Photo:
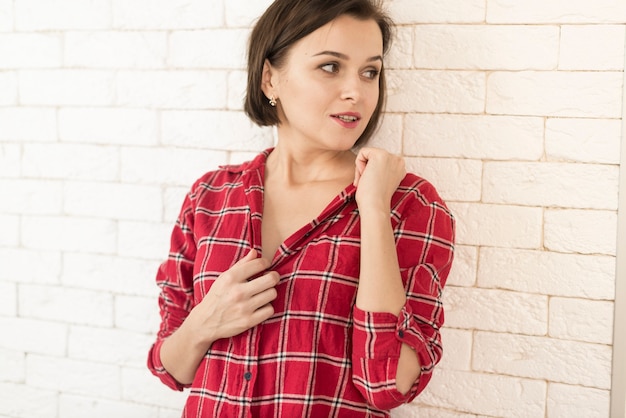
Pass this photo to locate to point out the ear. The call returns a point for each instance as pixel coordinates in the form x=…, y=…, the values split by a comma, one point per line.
x=269, y=80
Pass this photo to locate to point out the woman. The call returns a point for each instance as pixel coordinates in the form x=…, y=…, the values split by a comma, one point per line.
x=307, y=282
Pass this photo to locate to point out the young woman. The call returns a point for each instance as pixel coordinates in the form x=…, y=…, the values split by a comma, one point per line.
x=307, y=282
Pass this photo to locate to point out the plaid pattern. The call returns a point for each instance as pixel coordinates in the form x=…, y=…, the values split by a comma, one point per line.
x=318, y=355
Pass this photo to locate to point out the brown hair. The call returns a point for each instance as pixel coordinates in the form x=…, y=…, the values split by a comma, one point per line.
x=287, y=21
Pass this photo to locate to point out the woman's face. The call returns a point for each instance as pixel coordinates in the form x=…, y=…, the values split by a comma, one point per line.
x=328, y=89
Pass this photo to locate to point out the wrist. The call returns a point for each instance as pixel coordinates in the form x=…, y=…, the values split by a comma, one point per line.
x=375, y=212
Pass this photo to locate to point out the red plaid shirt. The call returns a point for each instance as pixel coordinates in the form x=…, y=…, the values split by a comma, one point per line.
x=318, y=355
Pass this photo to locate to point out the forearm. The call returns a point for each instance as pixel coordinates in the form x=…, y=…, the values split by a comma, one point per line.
x=380, y=284
x=181, y=353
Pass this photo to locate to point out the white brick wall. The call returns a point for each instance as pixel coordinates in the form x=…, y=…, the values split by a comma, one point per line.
x=110, y=109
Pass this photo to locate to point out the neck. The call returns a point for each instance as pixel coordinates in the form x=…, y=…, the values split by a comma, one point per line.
x=297, y=166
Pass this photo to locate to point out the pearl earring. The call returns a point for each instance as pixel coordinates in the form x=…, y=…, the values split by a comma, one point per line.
x=272, y=101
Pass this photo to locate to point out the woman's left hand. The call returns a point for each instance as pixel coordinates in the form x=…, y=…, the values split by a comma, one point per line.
x=377, y=175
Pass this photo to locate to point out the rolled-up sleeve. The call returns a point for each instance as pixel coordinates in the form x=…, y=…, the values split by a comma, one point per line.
x=425, y=247
x=175, y=280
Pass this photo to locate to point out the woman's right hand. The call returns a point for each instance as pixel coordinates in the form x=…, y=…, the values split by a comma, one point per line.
x=234, y=302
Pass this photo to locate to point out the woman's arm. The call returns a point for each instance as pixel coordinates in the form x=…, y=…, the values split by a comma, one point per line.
x=377, y=176
x=232, y=305
x=380, y=285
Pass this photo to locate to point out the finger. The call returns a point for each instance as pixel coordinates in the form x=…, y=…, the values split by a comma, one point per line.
x=263, y=298
x=247, y=267
x=357, y=176
x=262, y=283
x=263, y=313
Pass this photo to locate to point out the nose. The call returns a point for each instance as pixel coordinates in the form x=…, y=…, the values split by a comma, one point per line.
x=351, y=88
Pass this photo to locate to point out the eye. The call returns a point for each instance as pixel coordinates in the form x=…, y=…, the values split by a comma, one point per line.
x=331, y=67
x=371, y=73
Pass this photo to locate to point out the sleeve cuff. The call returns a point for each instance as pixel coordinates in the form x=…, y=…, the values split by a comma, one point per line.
x=381, y=334
x=157, y=369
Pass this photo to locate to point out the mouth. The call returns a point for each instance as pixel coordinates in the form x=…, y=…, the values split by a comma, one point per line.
x=347, y=117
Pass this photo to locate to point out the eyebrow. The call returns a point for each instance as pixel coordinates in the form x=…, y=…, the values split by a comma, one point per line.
x=345, y=57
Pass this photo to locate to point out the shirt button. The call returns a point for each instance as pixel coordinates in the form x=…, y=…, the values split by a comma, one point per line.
x=247, y=375
x=401, y=334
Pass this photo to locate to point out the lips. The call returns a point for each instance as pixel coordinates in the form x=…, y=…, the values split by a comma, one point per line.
x=348, y=117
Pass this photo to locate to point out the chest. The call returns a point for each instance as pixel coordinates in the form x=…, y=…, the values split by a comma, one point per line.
x=287, y=211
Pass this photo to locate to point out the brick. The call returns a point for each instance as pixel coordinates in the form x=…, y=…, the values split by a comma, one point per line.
x=33, y=336
x=400, y=56
x=581, y=320
x=583, y=186
x=584, y=140
x=508, y=226
x=6, y=15
x=169, y=413
x=188, y=49
x=113, y=274
x=31, y=197
x=457, y=349
x=13, y=366
x=10, y=159
x=389, y=134
x=496, y=310
x=218, y=130
x=237, y=84
x=33, y=15
x=8, y=88
x=136, y=313
x=486, y=394
x=471, y=136
x=168, y=165
x=457, y=180
x=591, y=47
x=139, y=385
x=94, y=407
x=111, y=346
x=172, y=89
x=240, y=157
x=433, y=11
x=555, y=11
x=46, y=270
x=44, y=50
x=565, y=401
x=144, y=240
x=416, y=410
x=69, y=234
x=73, y=376
x=581, y=231
x=67, y=87
x=547, y=273
x=116, y=50
x=113, y=201
x=463, y=272
x=560, y=361
x=167, y=14
x=17, y=124
x=244, y=12
x=8, y=299
x=58, y=161
x=23, y=401
x=544, y=93
x=437, y=91
x=480, y=47
x=10, y=227
x=67, y=305
x=109, y=126
x=173, y=201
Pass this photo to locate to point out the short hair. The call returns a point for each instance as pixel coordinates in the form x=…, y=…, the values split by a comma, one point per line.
x=287, y=21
